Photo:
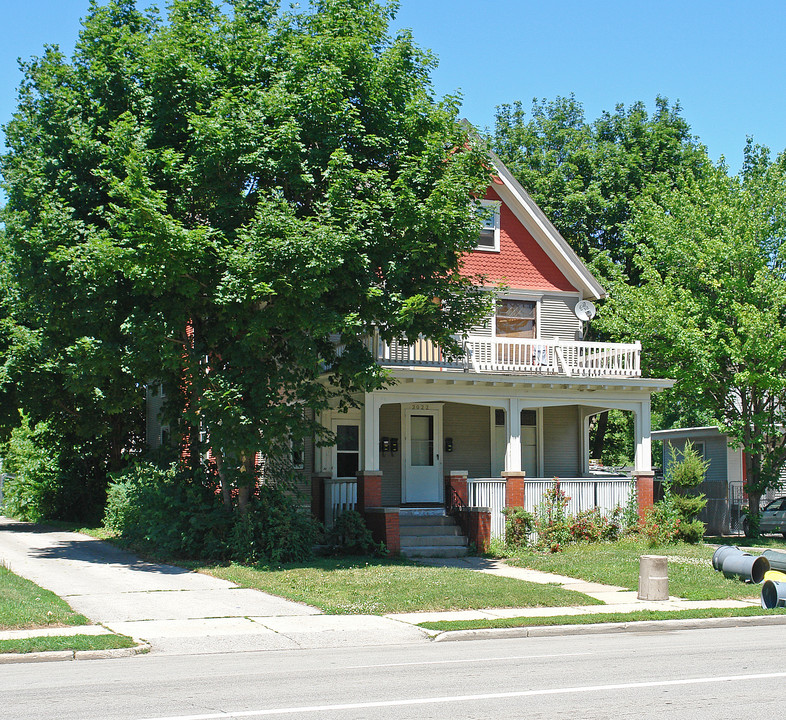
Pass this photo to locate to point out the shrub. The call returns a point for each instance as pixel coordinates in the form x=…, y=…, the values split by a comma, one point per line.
x=661, y=523
x=350, y=536
x=592, y=526
x=682, y=478
x=169, y=513
x=519, y=525
x=552, y=521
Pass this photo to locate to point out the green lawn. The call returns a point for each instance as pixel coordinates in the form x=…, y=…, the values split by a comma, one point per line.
x=370, y=586
x=611, y=617
x=691, y=574
x=25, y=605
x=75, y=643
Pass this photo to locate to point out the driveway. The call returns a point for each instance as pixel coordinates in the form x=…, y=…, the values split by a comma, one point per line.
x=177, y=610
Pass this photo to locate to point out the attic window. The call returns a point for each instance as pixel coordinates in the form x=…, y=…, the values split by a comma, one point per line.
x=488, y=210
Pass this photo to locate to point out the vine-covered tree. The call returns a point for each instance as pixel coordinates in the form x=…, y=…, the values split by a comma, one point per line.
x=213, y=199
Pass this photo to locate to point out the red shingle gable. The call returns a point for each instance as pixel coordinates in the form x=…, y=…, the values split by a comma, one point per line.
x=521, y=262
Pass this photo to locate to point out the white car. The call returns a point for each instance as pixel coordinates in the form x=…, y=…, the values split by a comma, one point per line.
x=773, y=518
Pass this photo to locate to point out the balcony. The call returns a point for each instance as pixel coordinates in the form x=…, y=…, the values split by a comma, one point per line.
x=566, y=358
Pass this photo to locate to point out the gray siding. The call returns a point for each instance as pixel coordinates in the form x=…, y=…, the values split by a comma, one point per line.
x=470, y=428
x=715, y=485
x=390, y=462
x=557, y=318
x=561, y=455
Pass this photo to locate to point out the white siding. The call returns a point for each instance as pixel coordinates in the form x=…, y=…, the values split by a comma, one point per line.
x=557, y=318
x=561, y=455
x=390, y=462
x=470, y=428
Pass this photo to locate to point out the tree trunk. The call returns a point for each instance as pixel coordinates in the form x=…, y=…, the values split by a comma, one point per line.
x=226, y=490
x=600, y=436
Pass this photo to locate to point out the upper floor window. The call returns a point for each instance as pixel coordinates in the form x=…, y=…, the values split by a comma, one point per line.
x=516, y=318
x=488, y=210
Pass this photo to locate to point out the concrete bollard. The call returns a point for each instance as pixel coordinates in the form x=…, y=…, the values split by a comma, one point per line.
x=653, y=577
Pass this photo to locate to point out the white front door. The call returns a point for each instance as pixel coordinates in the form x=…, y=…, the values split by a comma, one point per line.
x=423, y=453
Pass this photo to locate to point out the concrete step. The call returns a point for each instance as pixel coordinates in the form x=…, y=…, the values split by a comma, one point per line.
x=434, y=551
x=420, y=520
x=429, y=530
x=433, y=541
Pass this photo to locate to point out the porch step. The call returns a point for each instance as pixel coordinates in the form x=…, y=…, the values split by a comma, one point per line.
x=432, y=535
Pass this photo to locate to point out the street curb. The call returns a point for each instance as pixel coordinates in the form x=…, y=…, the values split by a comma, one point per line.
x=601, y=628
x=63, y=655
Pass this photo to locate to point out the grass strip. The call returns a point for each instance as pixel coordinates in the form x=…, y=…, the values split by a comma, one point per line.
x=691, y=575
x=76, y=643
x=23, y=604
x=593, y=618
x=344, y=586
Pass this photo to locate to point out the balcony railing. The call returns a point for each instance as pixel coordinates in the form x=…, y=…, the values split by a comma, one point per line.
x=553, y=356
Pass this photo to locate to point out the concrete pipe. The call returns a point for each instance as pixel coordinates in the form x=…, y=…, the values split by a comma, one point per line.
x=776, y=559
x=653, y=577
x=722, y=552
x=746, y=566
x=773, y=594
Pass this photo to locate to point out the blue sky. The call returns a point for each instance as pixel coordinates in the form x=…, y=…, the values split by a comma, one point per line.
x=723, y=61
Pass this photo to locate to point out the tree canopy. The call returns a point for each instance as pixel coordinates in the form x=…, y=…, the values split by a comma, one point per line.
x=712, y=303
x=213, y=199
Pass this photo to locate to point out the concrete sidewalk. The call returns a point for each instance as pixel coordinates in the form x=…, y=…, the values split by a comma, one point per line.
x=177, y=611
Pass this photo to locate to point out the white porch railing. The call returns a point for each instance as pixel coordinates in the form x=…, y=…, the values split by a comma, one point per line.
x=416, y=353
x=584, y=493
x=340, y=496
x=555, y=356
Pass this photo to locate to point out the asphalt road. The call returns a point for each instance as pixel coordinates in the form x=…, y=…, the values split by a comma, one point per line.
x=734, y=673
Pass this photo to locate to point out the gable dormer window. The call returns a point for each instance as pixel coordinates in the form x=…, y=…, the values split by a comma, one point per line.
x=488, y=211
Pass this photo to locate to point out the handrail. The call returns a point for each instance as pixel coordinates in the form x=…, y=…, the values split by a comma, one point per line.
x=550, y=356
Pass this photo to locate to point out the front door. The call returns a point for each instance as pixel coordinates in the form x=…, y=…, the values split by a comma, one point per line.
x=422, y=447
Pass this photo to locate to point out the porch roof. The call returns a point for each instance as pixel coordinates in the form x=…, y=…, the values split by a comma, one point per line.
x=501, y=381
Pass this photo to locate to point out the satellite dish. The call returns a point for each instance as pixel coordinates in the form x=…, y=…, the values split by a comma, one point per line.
x=584, y=310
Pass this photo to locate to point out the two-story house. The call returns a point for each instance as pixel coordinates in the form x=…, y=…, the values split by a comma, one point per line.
x=518, y=404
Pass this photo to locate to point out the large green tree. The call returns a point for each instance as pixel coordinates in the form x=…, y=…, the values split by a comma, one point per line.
x=586, y=174
x=228, y=200
x=712, y=303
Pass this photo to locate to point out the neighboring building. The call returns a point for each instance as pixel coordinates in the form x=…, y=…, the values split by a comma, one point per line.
x=723, y=483
x=518, y=403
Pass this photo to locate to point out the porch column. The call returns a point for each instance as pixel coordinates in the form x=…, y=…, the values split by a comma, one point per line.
x=513, y=447
x=645, y=486
x=642, y=427
x=370, y=416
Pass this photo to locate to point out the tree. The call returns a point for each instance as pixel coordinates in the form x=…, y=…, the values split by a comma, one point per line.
x=212, y=200
x=587, y=175
x=713, y=303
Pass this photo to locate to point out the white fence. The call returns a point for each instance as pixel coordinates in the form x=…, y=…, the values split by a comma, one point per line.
x=340, y=496
x=583, y=493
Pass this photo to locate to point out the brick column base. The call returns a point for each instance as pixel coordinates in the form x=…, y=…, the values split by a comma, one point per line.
x=475, y=523
x=369, y=489
x=457, y=494
x=514, y=488
x=384, y=526
x=645, y=490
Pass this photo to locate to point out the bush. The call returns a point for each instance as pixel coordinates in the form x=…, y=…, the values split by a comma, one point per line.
x=682, y=478
x=350, y=536
x=51, y=478
x=169, y=513
x=661, y=524
x=519, y=525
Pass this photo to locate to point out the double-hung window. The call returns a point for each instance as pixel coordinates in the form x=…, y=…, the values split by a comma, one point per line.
x=488, y=211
